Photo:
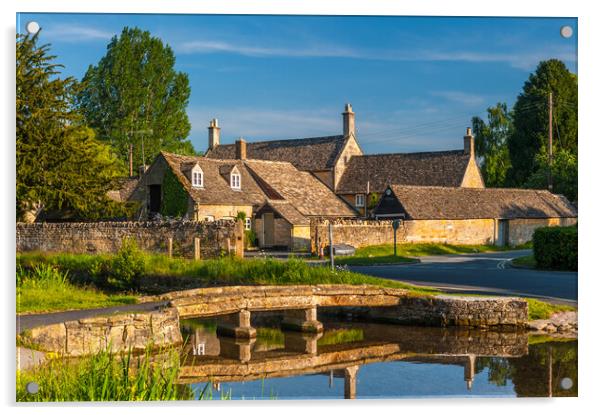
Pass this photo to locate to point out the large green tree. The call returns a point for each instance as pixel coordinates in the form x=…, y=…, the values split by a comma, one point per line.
x=60, y=165
x=530, y=116
x=134, y=96
x=491, y=144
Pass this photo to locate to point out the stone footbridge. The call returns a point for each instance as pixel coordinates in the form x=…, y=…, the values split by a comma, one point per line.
x=233, y=306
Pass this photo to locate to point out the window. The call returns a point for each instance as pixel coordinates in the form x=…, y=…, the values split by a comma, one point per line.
x=209, y=218
x=247, y=224
x=360, y=200
x=235, y=180
x=197, y=178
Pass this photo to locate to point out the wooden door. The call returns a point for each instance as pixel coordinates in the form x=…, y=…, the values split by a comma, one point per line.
x=268, y=229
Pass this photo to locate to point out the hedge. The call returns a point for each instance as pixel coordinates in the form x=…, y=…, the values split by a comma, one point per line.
x=556, y=247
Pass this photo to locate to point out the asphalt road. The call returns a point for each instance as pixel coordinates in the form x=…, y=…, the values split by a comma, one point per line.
x=488, y=273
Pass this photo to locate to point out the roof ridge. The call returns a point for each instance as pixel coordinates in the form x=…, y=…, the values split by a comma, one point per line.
x=408, y=154
x=288, y=139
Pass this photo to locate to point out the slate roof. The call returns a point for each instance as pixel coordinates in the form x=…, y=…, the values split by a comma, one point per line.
x=301, y=189
x=216, y=181
x=309, y=154
x=440, y=168
x=423, y=202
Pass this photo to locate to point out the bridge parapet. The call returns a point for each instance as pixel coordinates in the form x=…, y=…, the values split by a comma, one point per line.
x=300, y=303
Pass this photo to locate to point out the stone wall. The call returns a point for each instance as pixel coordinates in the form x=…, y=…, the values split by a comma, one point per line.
x=455, y=311
x=107, y=237
x=119, y=333
x=360, y=233
x=521, y=230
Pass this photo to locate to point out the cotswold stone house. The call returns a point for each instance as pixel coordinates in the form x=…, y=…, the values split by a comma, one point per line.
x=277, y=199
x=285, y=186
x=471, y=216
x=339, y=162
x=324, y=157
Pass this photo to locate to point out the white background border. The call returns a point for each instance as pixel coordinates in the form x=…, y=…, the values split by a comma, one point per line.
x=590, y=72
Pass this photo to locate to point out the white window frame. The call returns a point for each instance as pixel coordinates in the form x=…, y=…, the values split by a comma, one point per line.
x=197, y=173
x=247, y=224
x=360, y=200
x=235, y=179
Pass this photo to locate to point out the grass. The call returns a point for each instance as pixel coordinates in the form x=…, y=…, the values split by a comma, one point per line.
x=222, y=271
x=46, y=288
x=105, y=377
x=541, y=310
x=383, y=254
x=527, y=261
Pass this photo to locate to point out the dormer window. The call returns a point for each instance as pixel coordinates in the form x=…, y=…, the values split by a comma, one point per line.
x=235, y=180
x=197, y=177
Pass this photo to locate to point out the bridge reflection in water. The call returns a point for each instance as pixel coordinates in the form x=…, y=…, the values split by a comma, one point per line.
x=290, y=354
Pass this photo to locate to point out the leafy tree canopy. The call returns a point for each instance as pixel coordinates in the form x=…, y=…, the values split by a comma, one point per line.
x=530, y=116
x=491, y=144
x=60, y=165
x=134, y=96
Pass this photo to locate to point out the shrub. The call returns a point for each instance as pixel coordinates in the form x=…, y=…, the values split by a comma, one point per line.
x=250, y=238
x=556, y=247
x=128, y=266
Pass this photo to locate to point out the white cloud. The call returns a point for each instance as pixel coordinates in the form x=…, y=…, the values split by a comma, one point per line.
x=75, y=33
x=524, y=59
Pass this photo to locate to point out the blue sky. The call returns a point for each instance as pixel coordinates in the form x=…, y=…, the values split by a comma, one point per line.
x=414, y=82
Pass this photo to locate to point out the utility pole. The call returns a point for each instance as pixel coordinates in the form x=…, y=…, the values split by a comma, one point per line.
x=131, y=157
x=550, y=108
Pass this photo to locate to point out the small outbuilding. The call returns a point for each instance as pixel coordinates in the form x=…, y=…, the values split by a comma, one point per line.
x=462, y=215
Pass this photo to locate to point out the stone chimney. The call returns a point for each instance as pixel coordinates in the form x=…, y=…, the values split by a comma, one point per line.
x=241, y=149
x=348, y=121
x=213, y=134
x=469, y=142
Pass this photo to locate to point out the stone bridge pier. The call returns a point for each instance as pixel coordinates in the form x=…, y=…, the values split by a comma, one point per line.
x=306, y=343
x=238, y=324
x=236, y=349
x=304, y=320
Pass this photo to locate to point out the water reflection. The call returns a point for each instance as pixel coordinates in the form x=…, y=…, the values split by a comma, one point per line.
x=375, y=360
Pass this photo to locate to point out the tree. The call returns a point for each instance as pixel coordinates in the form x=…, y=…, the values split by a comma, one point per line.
x=530, y=115
x=60, y=165
x=564, y=174
x=134, y=96
x=491, y=144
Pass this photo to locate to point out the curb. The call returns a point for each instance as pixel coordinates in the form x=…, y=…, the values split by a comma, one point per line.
x=382, y=264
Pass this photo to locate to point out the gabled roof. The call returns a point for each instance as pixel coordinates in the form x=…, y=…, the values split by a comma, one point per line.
x=440, y=168
x=216, y=181
x=287, y=211
x=301, y=189
x=309, y=154
x=424, y=202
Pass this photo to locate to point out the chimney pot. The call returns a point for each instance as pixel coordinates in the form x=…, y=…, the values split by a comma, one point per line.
x=469, y=142
x=241, y=149
x=213, y=134
x=348, y=121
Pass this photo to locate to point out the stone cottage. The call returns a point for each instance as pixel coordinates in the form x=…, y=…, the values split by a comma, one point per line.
x=277, y=199
x=471, y=215
x=368, y=175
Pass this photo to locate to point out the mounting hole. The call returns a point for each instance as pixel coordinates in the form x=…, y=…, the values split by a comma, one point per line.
x=32, y=388
x=566, y=383
x=32, y=27
x=566, y=31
